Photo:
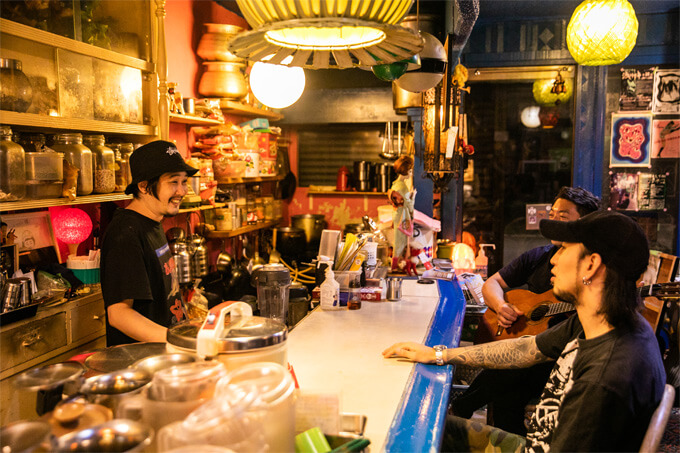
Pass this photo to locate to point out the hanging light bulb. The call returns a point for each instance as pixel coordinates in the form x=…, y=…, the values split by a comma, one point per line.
x=602, y=32
x=275, y=85
x=529, y=116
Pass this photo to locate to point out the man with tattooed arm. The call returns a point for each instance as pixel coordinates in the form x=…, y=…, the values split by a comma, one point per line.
x=608, y=376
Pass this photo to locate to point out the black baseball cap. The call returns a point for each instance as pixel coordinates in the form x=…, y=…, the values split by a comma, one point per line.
x=617, y=238
x=154, y=159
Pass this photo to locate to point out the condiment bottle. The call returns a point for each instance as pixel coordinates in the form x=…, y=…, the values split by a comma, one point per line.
x=12, y=167
x=330, y=291
x=104, y=164
x=78, y=155
x=354, y=301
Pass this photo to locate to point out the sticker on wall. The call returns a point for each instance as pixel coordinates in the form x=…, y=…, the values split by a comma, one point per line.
x=651, y=191
x=666, y=91
x=535, y=213
x=623, y=191
x=637, y=87
x=631, y=140
x=666, y=138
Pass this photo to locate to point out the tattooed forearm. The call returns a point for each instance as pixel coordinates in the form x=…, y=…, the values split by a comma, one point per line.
x=515, y=353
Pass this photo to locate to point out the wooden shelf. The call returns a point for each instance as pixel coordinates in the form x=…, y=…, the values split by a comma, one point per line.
x=202, y=208
x=242, y=230
x=236, y=108
x=53, y=123
x=192, y=120
x=47, y=202
x=232, y=181
x=347, y=193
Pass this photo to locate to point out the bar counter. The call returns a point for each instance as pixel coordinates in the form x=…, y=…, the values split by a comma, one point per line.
x=340, y=351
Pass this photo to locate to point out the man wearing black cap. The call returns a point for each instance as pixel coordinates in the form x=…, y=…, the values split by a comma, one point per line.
x=139, y=279
x=608, y=377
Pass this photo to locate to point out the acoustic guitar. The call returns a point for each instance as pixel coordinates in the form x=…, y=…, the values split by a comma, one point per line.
x=543, y=310
x=539, y=310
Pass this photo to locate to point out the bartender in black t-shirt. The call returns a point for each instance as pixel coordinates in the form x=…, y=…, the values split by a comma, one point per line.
x=139, y=278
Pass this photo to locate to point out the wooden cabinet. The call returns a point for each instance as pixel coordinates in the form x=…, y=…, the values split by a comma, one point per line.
x=55, y=334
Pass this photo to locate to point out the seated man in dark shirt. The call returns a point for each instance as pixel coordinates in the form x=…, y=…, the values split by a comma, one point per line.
x=607, y=377
x=511, y=390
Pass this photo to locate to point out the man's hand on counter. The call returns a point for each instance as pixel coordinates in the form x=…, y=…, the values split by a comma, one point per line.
x=413, y=351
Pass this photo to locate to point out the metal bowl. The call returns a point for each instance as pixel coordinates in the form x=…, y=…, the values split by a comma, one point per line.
x=121, y=381
x=49, y=376
x=117, y=435
x=163, y=361
x=24, y=436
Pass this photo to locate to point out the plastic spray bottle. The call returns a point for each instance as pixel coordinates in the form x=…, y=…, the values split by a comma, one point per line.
x=330, y=291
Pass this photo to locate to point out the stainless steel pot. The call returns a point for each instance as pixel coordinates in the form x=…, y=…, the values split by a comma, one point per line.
x=290, y=241
x=312, y=224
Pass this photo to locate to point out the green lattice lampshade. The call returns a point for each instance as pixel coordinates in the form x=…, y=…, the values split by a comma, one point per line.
x=602, y=32
x=544, y=95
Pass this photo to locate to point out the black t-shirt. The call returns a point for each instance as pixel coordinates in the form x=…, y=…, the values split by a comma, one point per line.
x=531, y=268
x=602, y=391
x=137, y=264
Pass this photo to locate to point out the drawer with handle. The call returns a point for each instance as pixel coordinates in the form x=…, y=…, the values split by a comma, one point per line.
x=31, y=340
x=88, y=319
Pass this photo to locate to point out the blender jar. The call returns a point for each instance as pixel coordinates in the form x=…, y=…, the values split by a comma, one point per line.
x=272, y=282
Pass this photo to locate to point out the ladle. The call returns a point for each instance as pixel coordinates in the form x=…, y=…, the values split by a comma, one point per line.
x=224, y=261
x=274, y=255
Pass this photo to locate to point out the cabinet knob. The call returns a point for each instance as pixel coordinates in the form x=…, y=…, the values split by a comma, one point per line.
x=98, y=317
x=31, y=339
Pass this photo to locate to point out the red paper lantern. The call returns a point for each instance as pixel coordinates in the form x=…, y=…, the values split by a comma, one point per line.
x=72, y=226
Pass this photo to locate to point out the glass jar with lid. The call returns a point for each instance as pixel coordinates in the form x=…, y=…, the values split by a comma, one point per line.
x=104, y=164
x=259, y=209
x=126, y=150
x=120, y=168
x=78, y=155
x=12, y=164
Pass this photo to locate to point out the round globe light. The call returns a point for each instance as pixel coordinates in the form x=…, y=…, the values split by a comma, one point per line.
x=529, y=116
x=277, y=86
x=433, y=65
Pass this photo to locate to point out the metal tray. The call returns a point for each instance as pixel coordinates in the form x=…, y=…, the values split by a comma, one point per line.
x=18, y=314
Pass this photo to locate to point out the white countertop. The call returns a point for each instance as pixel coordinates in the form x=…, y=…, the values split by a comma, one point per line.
x=340, y=351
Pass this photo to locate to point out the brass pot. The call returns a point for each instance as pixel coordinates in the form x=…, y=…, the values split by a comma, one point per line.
x=223, y=80
x=214, y=43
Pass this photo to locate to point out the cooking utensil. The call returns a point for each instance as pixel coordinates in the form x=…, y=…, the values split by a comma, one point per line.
x=25, y=436
x=159, y=362
x=175, y=234
x=224, y=261
x=122, y=356
x=49, y=376
x=274, y=255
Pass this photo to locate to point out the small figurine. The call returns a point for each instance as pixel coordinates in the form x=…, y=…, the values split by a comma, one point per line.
x=402, y=196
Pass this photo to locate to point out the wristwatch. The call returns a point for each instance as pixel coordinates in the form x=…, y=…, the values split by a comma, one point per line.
x=439, y=354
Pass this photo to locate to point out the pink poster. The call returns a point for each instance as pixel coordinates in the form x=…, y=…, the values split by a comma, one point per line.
x=666, y=138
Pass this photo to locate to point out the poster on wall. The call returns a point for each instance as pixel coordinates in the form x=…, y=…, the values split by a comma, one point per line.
x=666, y=138
x=666, y=91
x=637, y=88
x=31, y=231
x=631, y=140
x=651, y=191
x=623, y=191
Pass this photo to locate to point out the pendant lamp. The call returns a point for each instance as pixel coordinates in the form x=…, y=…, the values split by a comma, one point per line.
x=276, y=86
x=72, y=226
x=602, y=32
x=546, y=94
x=319, y=34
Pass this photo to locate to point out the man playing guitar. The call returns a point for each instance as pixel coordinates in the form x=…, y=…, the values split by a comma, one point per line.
x=511, y=390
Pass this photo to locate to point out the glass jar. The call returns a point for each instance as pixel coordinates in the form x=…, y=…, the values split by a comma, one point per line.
x=126, y=150
x=268, y=208
x=16, y=93
x=278, y=209
x=259, y=209
x=104, y=164
x=12, y=165
x=251, y=209
x=78, y=155
x=119, y=168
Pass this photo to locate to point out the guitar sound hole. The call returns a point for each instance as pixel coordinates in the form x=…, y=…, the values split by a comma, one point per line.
x=538, y=313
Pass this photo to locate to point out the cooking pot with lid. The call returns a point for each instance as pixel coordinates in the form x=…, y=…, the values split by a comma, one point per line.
x=236, y=341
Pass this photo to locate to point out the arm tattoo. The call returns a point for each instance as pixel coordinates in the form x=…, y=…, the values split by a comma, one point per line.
x=515, y=353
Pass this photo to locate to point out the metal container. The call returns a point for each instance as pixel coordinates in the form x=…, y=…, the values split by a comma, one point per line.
x=25, y=297
x=80, y=156
x=290, y=241
x=114, y=435
x=244, y=340
x=12, y=165
x=394, y=288
x=26, y=436
x=182, y=258
x=199, y=256
x=312, y=224
x=11, y=294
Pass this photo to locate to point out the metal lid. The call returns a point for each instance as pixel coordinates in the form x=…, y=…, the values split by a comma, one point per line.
x=241, y=335
x=8, y=63
x=271, y=274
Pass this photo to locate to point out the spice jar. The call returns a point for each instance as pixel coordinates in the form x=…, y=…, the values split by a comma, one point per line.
x=12, y=164
x=126, y=150
x=104, y=165
x=119, y=168
x=78, y=155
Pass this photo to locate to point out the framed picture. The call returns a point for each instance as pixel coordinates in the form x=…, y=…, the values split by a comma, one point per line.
x=631, y=140
x=666, y=138
x=666, y=91
x=623, y=191
x=33, y=231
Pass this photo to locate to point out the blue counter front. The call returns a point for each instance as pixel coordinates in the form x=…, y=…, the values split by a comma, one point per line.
x=340, y=352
